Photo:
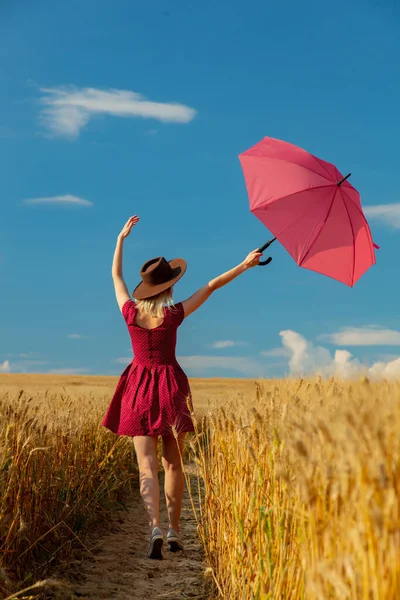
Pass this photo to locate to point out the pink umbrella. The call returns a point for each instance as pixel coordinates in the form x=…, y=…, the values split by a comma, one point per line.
x=309, y=206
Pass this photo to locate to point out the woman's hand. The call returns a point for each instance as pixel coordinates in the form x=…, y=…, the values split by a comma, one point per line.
x=252, y=259
x=199, y=297
x=128, y=227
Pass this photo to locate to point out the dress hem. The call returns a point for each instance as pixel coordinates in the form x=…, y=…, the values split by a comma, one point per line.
x=151, y=434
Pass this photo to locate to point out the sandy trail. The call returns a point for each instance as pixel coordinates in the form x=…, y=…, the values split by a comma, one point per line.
x=120, y=570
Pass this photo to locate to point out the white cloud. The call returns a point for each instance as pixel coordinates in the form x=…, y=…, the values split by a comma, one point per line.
x=5, y=367
x=304, y=356
x=66, y=110
x=363, y=336
x=226, y=344
x=307, y=359
x=390, y=370
x=67, y=200
x=24, y=363
x=35, y=362
x=76, y=336
x=388, y=213
x=345, y=365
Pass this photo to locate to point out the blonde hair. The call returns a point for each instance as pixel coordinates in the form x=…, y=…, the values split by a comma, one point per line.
x=155, y=306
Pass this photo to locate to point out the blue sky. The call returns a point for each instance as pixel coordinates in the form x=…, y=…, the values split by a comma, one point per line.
x=111, y=110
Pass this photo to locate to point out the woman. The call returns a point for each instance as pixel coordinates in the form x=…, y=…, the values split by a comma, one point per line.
x=153, y=396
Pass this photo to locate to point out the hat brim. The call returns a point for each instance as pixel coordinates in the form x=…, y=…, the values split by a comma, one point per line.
x=145, y=290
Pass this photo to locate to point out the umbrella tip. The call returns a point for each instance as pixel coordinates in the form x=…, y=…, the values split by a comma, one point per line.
x=344, y=179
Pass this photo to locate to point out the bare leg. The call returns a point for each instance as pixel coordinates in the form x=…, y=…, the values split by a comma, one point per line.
x=174, y=478
x=146, y=452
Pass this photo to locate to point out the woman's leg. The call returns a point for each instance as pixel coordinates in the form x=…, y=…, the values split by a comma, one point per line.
x=174, y=479
x=146, y=453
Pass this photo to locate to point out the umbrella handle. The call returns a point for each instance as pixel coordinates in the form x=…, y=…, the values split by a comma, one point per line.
x=266, y=262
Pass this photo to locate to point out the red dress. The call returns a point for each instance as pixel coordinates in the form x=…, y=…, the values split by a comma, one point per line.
x=153, y=391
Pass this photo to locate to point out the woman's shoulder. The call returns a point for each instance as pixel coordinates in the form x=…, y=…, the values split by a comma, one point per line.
x=177, y=313
x=128, y=310
x=177, y=306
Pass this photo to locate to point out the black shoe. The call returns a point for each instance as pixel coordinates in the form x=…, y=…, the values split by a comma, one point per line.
x=174, y=541
x=156, y=544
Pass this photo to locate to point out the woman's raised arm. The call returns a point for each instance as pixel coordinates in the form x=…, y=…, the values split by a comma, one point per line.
x=199, y=297
x=121, y=291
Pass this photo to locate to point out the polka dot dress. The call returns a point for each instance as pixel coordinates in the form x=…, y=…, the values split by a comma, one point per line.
x=153, y=392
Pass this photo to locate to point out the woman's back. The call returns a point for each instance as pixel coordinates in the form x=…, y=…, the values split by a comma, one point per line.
x=153, y=346
x=147, y=321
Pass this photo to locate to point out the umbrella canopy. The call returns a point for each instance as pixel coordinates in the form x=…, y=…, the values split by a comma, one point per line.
x=309, y=206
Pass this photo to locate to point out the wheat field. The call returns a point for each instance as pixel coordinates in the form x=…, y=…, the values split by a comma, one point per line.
x=302, y=492
x=299, y=482
x=61, y=473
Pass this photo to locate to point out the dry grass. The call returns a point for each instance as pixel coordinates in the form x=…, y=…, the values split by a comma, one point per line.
x=61, y=473
x=301, y=492
x=299, y=482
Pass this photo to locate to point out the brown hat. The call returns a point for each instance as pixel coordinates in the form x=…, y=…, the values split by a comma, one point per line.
x=158, y=275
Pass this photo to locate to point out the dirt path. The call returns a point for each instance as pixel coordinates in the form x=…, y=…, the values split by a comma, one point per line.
x=120, y=570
